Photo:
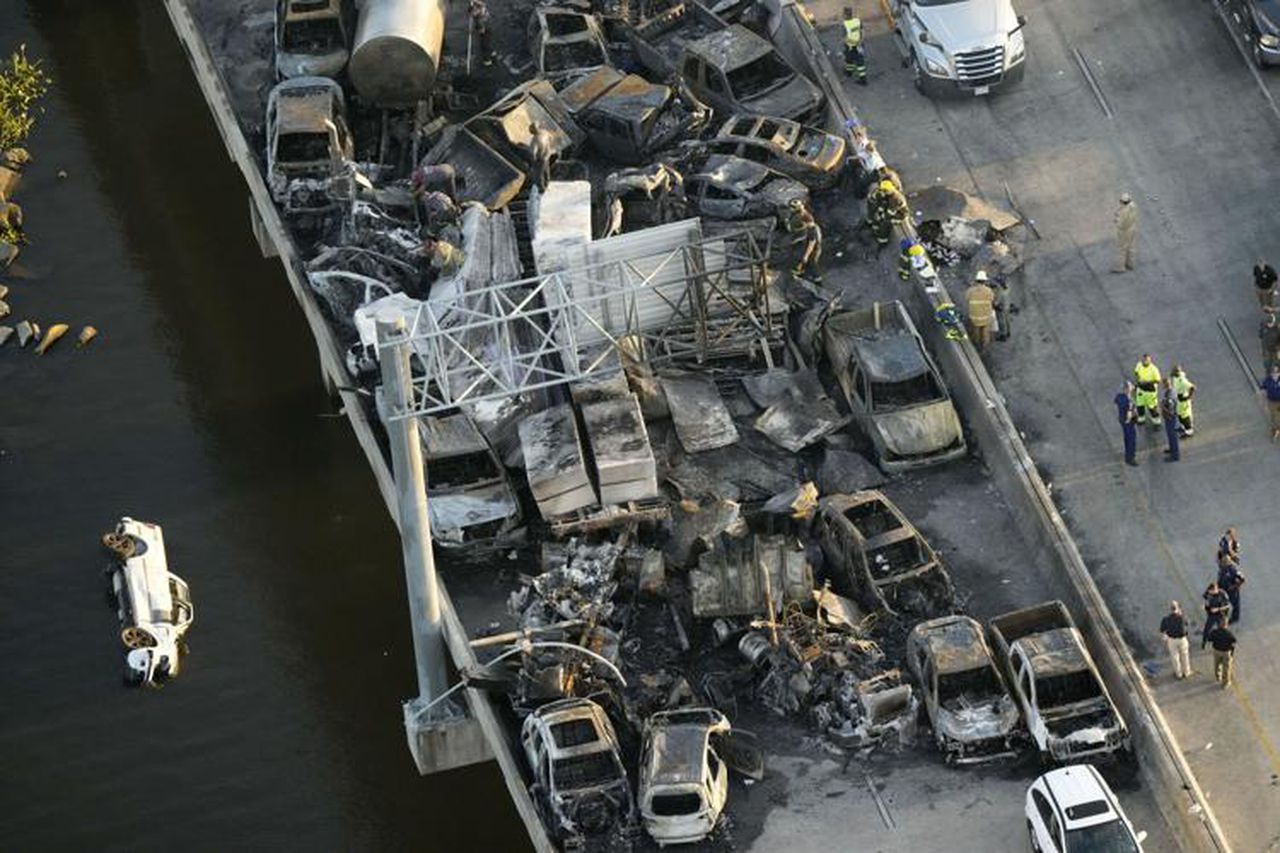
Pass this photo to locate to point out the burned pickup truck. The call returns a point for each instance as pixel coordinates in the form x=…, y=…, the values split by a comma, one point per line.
x=725, y=65
x=627, y=118
x=877, y=557
x=894, y=390
x=469, y=496
x=1066, y=706
x=973, y=716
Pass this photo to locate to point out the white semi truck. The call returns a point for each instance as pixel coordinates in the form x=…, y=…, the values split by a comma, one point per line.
x=968, y=47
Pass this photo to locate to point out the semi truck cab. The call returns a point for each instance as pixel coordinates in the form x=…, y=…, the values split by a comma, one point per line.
x=969, y=47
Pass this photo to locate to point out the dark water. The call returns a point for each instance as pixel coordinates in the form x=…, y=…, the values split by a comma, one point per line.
x=197, y=407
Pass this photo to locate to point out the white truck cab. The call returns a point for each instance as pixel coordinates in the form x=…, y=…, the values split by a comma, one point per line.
x=153, y=604
x=971, y=47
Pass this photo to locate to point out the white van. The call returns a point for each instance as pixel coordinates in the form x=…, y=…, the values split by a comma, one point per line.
x=153, y=604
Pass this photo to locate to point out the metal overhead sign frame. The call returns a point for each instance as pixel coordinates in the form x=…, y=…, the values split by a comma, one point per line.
x=704, y=299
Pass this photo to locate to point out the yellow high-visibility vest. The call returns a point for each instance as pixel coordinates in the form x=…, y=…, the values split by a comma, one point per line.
x=853, y=32
x=1147, y=375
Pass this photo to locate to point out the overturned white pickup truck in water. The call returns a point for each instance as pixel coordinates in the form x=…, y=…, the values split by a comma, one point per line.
x=154, y=605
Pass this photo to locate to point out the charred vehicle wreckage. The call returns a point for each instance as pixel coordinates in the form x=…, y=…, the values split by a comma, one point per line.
x=632, y=418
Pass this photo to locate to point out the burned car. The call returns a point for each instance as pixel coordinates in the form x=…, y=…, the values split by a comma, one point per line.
x=895, y=392
x=724, y=187
x=973, y=716
x=311, y=38
x=308, y=144
x=806, y=154
x=579, y=783
x=564, y=41
x=877, y=557
x=684, y=772
x=627, y=118
x=469, y=496
x=736, y=71
x=1066, y=706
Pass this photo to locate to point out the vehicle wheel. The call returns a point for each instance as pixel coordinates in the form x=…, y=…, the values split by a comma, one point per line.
x=1257, y=57
x=130, y=678
x=917, y=73
x=137, y=638
x=1031, y=834
x=120, y=544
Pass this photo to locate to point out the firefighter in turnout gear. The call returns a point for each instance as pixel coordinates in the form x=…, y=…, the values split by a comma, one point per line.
x=911, y=257
x=855, y=58
x=886, y=207
x=1146, y=376
x=1184, y=389
x=801, y=221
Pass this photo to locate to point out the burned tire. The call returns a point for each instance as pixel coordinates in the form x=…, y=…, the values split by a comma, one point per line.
x=120, y=544
x=134, y=637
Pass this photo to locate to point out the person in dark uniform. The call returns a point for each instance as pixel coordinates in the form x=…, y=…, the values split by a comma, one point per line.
x=1229, y=545
x=1169, y=413
x=1224, y=652
x=1230, y=579
x=1216, y=606
x=1128, y=422
x=1173, y=628
x=1264, y=285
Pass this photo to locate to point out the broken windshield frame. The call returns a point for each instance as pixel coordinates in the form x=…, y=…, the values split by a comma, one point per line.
x=585, y=771
x=916, y=391
x=302, y=148
x=979, y=684
x=319, y=35
x=759, y=77
x=1067, y=689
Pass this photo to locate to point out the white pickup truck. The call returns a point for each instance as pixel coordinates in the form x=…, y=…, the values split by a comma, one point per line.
x=154, y=605
x=970, y=47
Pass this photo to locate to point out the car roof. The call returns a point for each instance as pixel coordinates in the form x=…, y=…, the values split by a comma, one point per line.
x=954, y=642
x=890, y=355
x=1052, y=652
x=304, y=104
x=1080, y=785
x=730, y=48
x=736, y=171
x=678, y=754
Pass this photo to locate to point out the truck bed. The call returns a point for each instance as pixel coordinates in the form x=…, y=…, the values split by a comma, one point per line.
x=1012, y=626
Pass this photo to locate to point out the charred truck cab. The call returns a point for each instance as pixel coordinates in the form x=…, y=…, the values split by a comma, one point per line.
x=736, y=71
x=311, y=38
x=153, y=605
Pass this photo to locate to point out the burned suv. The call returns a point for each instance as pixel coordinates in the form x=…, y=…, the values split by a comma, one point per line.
x=308, y=144
x=579, y=783
x=973, y=716
x=894, y=390
x=876, y=556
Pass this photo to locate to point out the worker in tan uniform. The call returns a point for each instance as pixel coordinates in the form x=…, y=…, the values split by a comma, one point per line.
x=1126, y=233
x=980, y=300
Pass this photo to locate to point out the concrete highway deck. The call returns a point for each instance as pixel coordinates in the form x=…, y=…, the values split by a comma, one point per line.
x=1194, y=140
